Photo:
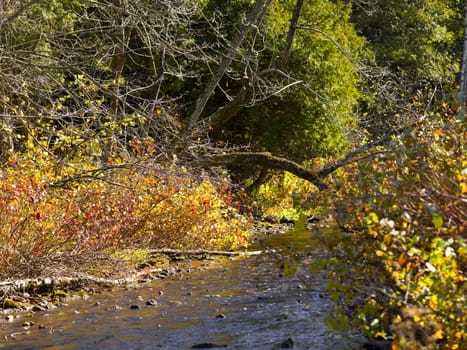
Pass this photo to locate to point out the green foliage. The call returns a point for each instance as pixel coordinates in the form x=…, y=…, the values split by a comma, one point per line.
x=418, y=38
x=282, y=197
x=417, y=49
x=311, y=118
x=406, y=275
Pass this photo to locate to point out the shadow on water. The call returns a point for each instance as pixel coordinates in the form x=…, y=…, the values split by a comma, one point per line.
x=267, y=301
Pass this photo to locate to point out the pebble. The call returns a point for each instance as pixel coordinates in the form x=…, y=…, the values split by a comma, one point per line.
x=37, y=308
x=135, y=307
x=151, y=302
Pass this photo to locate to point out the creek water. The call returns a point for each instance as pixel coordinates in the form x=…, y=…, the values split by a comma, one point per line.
x=252, y=302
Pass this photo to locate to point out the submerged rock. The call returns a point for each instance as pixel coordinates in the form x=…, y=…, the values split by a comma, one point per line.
x=207, y=346
x=287, y=344
x=151, y=302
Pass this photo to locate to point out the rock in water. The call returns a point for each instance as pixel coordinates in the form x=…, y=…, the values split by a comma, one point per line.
x=287, y=344
x=207, y=346
x=151, y=302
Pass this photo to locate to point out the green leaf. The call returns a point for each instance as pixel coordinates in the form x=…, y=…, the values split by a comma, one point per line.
x=318, y=265
x=371, y=219
x=437, y=220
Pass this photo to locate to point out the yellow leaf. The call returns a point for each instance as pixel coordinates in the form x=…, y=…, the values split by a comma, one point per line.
x=463, y=186
x=437, y=133
x=372, y=232
x=395, y=346
x=439, y=334
x=379, y=253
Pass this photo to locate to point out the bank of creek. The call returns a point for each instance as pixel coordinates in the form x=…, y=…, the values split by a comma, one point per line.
x=244, y=302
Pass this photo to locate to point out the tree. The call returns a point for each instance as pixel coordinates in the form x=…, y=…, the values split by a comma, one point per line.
x=416, y=46
x=313, y=116
x=463, y=84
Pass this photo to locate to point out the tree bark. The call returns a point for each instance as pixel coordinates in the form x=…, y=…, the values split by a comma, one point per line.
x=281, y=62
x=202, y=252
x=227, y=60
x=265, y=160
x=463, y=83
x=23, y=8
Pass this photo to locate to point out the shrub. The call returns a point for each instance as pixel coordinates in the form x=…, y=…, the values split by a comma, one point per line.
x=405, y=277
x=51, y=225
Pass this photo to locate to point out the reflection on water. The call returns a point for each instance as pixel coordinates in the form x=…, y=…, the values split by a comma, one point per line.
x=241, y=303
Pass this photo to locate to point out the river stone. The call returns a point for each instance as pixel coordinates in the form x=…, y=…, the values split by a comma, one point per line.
x=151, y=302
x=10, y=304
x=18, y=299
x=287, y=344
x=135, y=307
x=207, y=346
x=37, y=308
x=42, y=302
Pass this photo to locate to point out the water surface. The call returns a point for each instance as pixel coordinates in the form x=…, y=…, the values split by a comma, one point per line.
x=236, y=303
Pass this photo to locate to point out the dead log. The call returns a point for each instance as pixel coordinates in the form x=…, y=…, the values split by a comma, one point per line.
x=266, y=160
x=202, y=252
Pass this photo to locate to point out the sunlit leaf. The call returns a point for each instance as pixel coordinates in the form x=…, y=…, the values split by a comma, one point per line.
x=437, y=220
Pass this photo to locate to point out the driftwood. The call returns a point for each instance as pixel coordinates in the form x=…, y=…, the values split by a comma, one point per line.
x=58, y=282
x=51, y=283
x=202, y=252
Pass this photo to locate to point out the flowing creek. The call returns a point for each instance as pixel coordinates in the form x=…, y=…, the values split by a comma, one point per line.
x=233, y=303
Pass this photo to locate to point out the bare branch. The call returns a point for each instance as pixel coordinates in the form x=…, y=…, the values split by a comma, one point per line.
x=19, y=12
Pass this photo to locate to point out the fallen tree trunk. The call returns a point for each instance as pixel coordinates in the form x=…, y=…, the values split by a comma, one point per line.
x=266, y=160
x=315, y=176
x=202, y=252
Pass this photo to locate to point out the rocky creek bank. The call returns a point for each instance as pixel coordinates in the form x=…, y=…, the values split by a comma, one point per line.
x=233, y=302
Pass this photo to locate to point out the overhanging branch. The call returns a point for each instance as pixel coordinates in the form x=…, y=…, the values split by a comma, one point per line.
x=265, y=160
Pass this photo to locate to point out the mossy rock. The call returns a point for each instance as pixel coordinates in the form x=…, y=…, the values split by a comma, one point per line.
x=82, y=293
x=10, y=304
x=159, y=261
x=60, y=294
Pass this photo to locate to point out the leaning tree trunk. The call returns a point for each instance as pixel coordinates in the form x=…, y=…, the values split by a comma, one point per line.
x=202, y=100
x=463, y=85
